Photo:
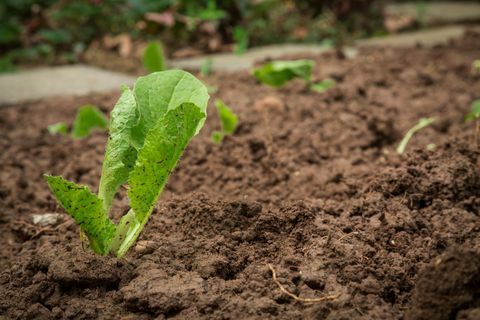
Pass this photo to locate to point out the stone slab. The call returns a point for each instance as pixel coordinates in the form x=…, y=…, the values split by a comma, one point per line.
x=41, y=83
x=438, y=12
x=233, y=62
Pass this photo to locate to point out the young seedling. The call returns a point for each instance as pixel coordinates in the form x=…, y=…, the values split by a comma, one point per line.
x=323, y=85
x=88, y=118
x=422, y=123
x=228, y=121
x=277, y=73
x=150, y=127
x=154, y=58
x=476, y=66
x=58, y=128
x=475, y=115
x=206, y=67
x=241, y=37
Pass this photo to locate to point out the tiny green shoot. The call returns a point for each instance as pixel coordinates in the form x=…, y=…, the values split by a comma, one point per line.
x=154, y=57
x=241, y=38
x=277, y=73
x=228, y=121
x=475, y=115
x=422, y=123
x=212, y=89
x=58, y=128
x=88, y=118
x=206, y=67
x=476, y=66
x=323, y=85
x=150, y=127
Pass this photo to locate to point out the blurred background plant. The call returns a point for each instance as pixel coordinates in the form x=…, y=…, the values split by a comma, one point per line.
x=66, y=31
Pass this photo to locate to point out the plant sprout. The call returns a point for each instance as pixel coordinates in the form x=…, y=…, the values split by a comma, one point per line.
x=154, y=57
x=58, y=128
x=206, y=67
x=150, y=127
x=277, y=73
x=323, y=85
x=422, y=123
x=476, y=66
x=88, y=118
x=241, y=37
x=228, y=121
x=475, y=115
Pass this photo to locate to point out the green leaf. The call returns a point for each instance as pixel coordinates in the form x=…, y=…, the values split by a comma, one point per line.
x=122, y=145
x=277, y=73
x=88, y=118
x=58, y=128
x=217, y=136
x=86, y=209
x=422, y=123
x=154, y=58
x=229, y=120
x=138, y=112
x=241, y=38
x=475, y=113
x=476, y=65
x=206, y=67
x=323, y=85
x=158, y=157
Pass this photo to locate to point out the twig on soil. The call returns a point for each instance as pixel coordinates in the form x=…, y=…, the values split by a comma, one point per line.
x=294, y=296
x=348, y=235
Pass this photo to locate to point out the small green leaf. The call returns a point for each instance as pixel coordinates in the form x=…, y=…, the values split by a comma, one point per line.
x=475, y=113
x=323, y=85
x=241, y=38
x=217, y=137
x=154, y=58
x=88, y=118
x=422, y=123
x=58, y=128
x=206, y=67
x=86, y=209
x=277, y=73
x=476, y=65
x=228, y=119
x=121, y=151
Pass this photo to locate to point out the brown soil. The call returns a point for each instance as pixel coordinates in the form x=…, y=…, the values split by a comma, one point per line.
x=309, y=183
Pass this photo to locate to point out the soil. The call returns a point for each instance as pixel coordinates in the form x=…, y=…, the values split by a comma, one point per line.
x=309, y=183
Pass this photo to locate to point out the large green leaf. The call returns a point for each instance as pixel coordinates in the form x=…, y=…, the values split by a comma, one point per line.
x=277, y=73
x=121, y=151
x=158, y=157
x=86, y=209
x=138, y=112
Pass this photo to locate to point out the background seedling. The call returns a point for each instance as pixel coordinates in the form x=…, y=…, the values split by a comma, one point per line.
x=241, y=37
x=88, y=118
x=476, y=66
x=475, y=115
x=277, y=73
x=150, y=127
x=206, y=67
x=58, y=128
x=228, y=121
x=323, y=85
x=154, y=57
x=422, y=123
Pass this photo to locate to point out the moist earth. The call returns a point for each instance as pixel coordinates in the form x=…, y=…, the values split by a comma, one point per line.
x=310, y=184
